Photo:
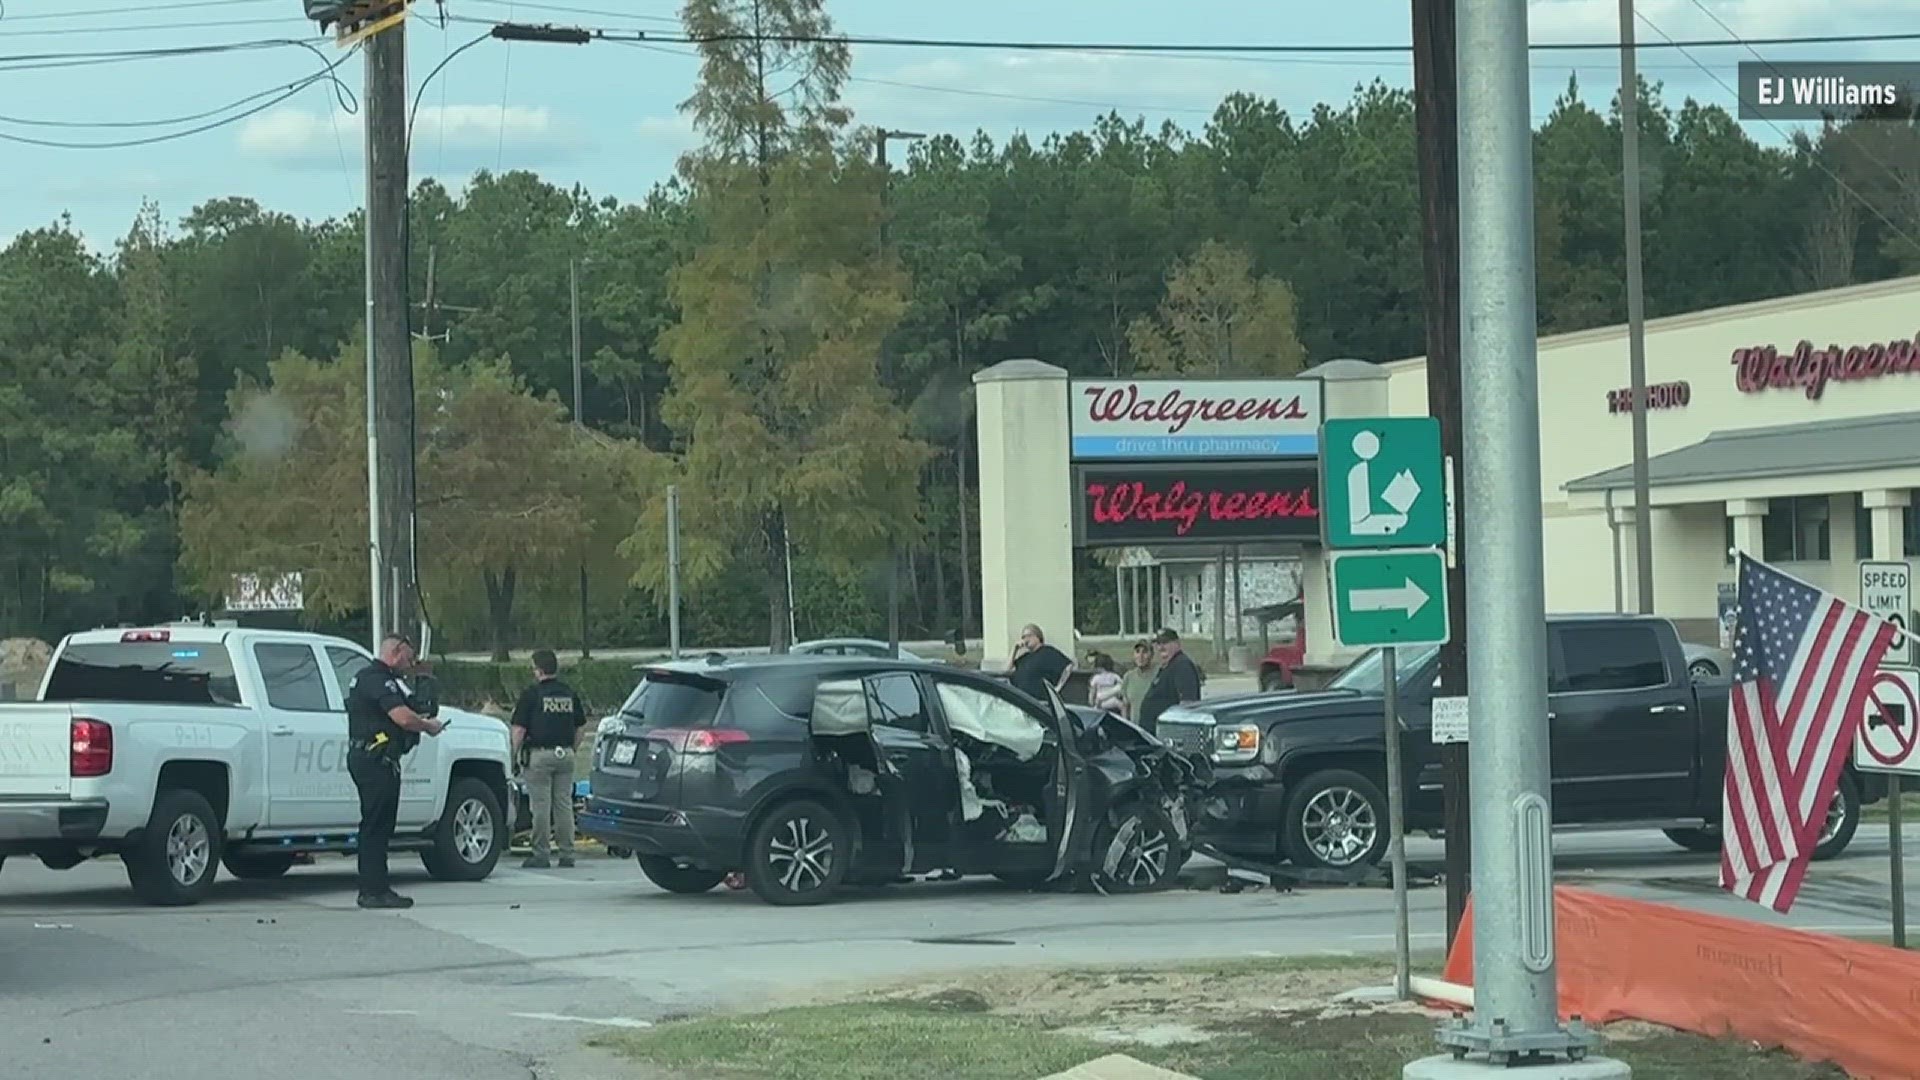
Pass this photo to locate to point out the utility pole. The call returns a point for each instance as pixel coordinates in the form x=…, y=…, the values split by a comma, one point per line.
x=1516, y=1017
x=573, y=291
x=389, y=337
x=893, y=550
x=1436, y=125
x=1636, y=308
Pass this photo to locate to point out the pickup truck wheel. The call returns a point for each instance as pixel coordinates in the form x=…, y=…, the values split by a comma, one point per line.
x=685, y=880
x=1272, y=679
x=1843, y=817
x=258, y=867
x=798, y=855
x=178, y=855
x=471, y=834
x=1140, y=853
x=1336, y=820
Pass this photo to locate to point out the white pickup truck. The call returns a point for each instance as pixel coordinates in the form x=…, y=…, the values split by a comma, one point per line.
x=183, y=747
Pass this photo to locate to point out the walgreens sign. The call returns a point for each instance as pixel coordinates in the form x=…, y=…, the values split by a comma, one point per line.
x=1194, y=418
x=1809, y=369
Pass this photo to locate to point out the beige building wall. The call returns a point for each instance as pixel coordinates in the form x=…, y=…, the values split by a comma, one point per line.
x=1580, y=437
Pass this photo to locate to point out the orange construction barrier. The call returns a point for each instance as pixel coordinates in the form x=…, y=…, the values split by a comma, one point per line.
x=1819, y=997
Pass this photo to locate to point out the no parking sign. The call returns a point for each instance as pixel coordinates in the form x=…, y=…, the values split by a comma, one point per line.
x=1889, y=739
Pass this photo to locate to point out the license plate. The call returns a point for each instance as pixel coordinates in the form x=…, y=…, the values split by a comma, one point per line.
x=623, y=752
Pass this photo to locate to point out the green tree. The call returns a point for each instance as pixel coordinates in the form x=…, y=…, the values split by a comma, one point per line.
x=510, y=490
x=784, y=433
x=1219, y=318
x=84, y=534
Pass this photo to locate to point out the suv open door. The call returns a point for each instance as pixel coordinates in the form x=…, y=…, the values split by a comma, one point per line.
x=1069, y=818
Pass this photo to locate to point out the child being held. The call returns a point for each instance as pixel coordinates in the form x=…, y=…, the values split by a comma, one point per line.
x=1104, y=687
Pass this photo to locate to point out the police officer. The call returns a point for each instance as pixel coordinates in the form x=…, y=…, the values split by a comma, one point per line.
x=546, y=725
x=382, y=725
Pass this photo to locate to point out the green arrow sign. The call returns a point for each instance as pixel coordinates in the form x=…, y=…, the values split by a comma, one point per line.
x=1382, y=483
x=1390, y=598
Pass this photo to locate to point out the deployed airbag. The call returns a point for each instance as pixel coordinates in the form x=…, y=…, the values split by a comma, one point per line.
x=991, y=719
x=839, y=708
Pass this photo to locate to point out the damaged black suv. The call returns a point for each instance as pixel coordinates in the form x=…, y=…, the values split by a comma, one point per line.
x=810, y=774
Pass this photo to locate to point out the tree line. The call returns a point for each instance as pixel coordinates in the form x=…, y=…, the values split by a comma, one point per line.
x=187, y=406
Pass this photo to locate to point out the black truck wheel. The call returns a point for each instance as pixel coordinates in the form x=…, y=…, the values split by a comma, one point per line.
x=1704, y=841
x=1843, y=818
x=685, y=880
x=178, y=854
x=1335, y=820
x=1836, y=831
x=798, y=855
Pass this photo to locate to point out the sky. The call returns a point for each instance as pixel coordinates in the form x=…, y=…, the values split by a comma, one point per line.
x=606, y=116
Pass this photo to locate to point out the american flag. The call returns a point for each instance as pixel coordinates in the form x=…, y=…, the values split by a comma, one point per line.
x=1803, y=666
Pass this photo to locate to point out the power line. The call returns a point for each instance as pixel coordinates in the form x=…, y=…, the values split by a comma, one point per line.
x=1166, y=48
x=568, y=9
x=76, y=59
x=137, y=9
x=342, y=93
x=144, y=28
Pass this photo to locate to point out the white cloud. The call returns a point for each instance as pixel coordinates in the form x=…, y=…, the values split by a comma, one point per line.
x=466, y=135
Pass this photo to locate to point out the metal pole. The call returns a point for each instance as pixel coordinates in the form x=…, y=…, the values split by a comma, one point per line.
x=1899, y=866
x=377, y=578
x=673, y=571
x=377, y=589
x=1636, y=308
x=1239, y=608
x=1516, y=1006
x=573, y=291
x=1397, y=824
x=1220, y=607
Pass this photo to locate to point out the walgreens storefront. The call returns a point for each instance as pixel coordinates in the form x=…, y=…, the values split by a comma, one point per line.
x=1788, y=428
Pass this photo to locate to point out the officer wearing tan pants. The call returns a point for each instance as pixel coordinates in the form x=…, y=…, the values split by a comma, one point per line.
x=547, y=723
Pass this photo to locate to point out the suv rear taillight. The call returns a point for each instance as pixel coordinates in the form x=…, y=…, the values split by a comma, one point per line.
x=92, y=748
x=710, y=740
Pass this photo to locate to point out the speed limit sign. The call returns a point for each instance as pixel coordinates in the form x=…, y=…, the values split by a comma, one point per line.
x=1886, y=590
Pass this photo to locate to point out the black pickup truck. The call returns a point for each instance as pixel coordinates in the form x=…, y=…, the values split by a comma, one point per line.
x=1637, y=740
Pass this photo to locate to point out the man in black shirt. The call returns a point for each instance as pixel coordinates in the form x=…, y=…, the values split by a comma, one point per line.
x=546, y=725
x=382, y=725
x=1037, y=664
x=1177, y=682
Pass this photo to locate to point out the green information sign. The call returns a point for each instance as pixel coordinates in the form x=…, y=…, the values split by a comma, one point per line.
x=1389, y=598
x=1382, y=483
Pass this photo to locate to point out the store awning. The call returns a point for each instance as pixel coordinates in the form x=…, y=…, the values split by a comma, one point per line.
x=1858, y=445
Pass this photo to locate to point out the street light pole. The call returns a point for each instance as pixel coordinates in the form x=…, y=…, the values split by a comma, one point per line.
x=1516, y=998
x=881, y=138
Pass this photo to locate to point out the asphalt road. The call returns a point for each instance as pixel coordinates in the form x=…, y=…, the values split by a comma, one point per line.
x=508, y=978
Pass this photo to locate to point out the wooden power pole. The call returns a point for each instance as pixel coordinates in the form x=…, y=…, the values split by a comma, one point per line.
x=389, y=338
x=1437, y=136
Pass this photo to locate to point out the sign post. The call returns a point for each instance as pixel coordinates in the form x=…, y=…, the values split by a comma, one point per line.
x=1889, y=744
x=1384, y=517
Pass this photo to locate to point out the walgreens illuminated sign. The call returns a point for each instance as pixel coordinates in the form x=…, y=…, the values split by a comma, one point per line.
x=1172, y=503
x=1194, y=418
x=1809, y=369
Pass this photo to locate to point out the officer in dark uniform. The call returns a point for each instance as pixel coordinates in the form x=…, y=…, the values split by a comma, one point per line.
x=382, y=725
